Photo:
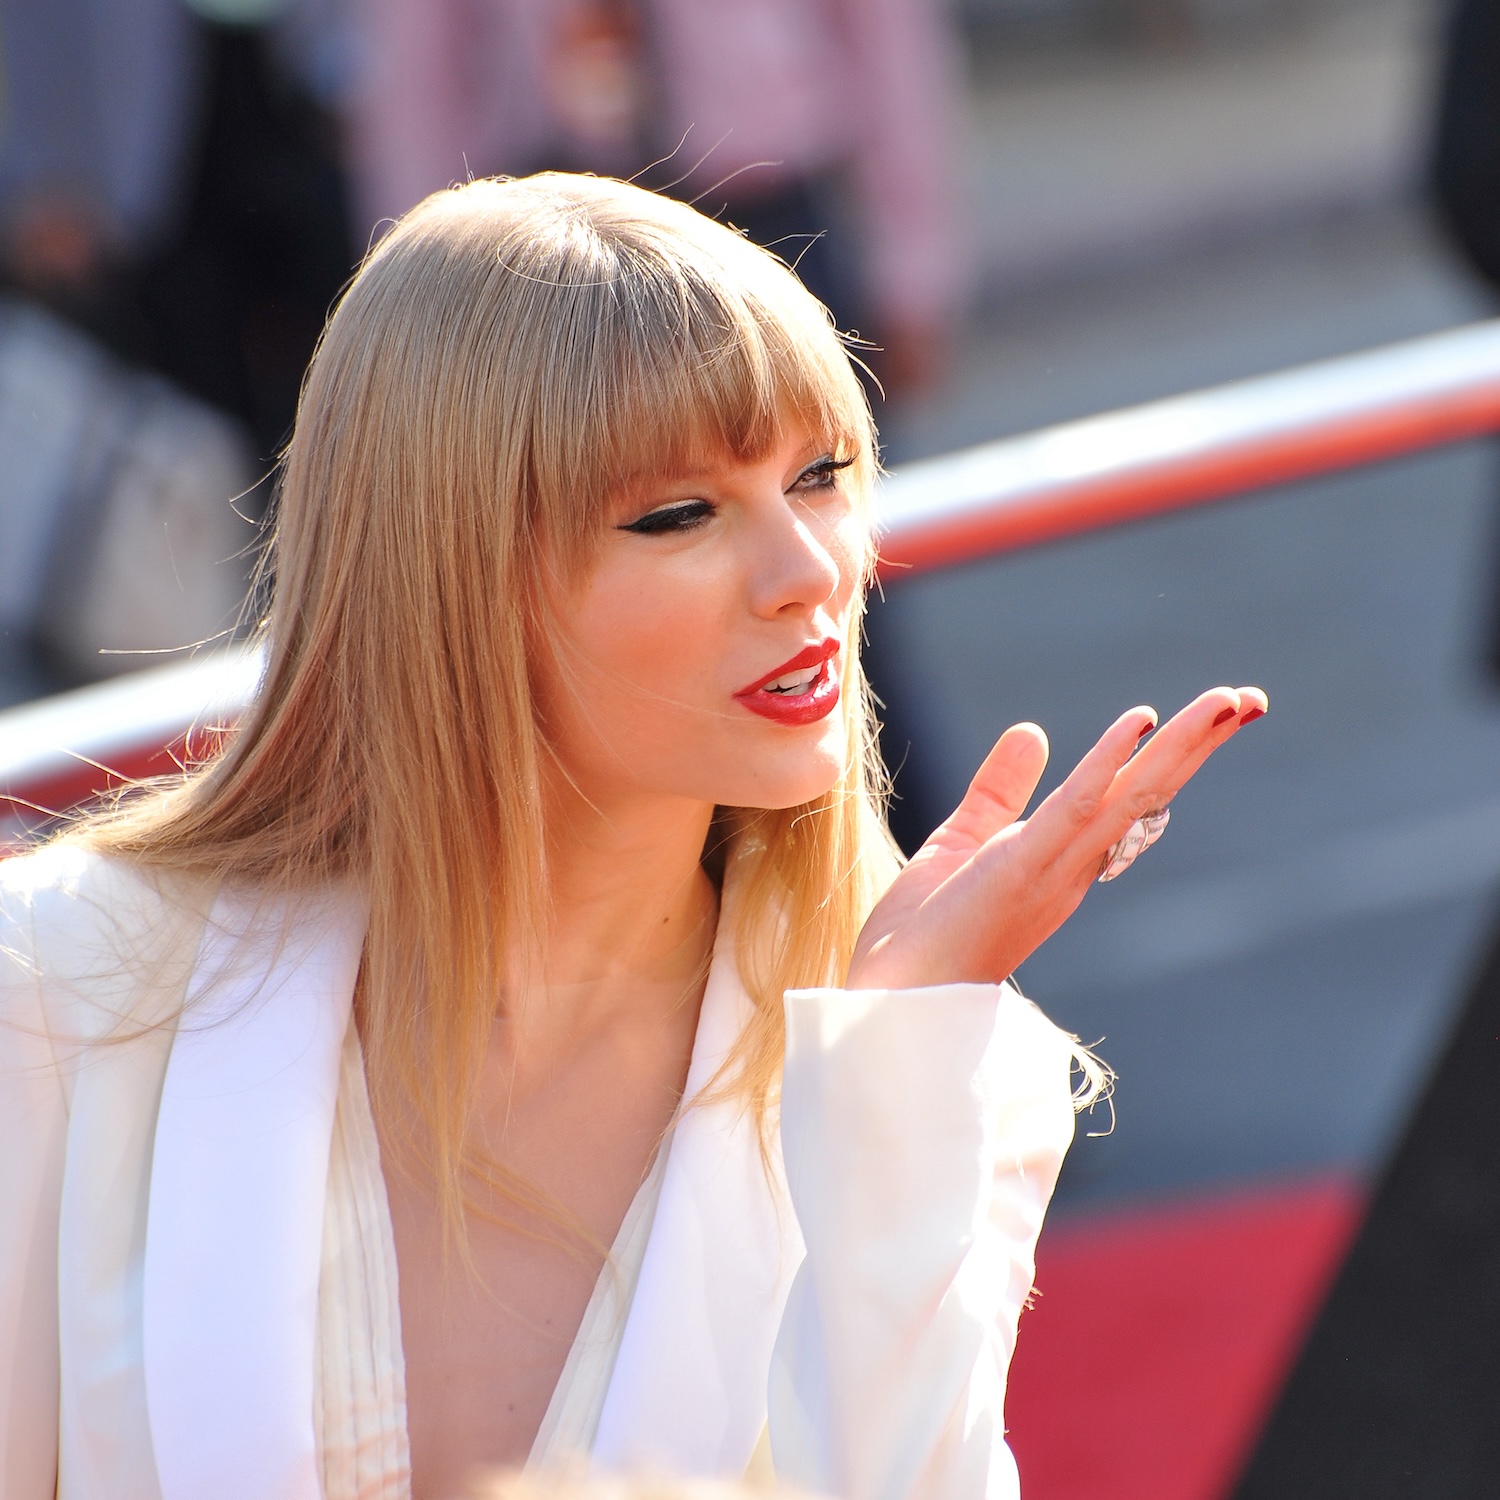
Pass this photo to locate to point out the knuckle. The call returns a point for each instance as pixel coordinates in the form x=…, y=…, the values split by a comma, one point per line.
x=986, y=796
x=1083, y=809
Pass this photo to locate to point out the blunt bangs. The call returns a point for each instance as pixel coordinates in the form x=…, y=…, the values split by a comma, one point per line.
x=663, y=343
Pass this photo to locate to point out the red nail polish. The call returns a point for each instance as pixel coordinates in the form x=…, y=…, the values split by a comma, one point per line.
x=1254, y=713
x=1145, y=730
x=1224, y=717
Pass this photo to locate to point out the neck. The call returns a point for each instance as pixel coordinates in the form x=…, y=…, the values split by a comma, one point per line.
x=632, y=914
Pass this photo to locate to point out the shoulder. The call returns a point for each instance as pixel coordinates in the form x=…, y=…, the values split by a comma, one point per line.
x=95, y=938
x=60, y=868
x=73, y=891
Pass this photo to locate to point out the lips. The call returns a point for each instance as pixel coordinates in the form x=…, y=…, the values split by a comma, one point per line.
x=800, y=691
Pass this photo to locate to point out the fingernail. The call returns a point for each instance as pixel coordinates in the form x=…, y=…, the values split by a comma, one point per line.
x=1254, y=713
x=1146, y=729
x=1224, y=717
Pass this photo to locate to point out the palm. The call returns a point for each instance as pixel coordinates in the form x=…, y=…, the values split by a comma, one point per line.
x=988, y=888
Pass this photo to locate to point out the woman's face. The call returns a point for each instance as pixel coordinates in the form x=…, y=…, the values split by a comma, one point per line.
x=701, y=653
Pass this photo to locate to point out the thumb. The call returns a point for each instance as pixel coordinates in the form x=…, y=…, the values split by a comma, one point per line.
x=1002, y=786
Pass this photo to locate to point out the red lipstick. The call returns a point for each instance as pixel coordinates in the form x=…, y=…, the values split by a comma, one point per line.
x=801, y=702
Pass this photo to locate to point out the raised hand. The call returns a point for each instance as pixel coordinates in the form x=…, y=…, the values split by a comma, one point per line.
x=989, y=887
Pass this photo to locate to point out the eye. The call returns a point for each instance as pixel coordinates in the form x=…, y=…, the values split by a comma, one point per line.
x=680, y=515
x=821, y=474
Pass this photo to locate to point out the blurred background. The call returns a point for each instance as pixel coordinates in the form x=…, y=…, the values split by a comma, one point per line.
x=1034, y=210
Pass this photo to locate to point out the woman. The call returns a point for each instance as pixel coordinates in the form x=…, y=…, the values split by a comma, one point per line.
x=450, y=1072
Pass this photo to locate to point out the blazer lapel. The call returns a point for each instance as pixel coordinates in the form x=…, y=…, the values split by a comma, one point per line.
x=688, y=1391
x=235, y=1226
x=235, y=1222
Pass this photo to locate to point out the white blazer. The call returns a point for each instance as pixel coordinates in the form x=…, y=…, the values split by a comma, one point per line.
x=168, y=1227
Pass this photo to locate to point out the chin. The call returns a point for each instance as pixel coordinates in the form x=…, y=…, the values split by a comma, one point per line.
x=792, y=785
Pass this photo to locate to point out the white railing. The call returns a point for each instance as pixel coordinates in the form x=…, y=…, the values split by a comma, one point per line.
x=1079, y=476
x=1191, y=449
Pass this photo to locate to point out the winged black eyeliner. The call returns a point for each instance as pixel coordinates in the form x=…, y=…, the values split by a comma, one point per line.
x=684, y=514
x=676, y=517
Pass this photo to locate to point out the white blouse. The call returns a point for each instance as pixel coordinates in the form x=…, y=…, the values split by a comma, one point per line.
x=359, y=1380
x=198, y=1288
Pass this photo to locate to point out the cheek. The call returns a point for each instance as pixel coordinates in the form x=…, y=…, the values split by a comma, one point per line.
x=849, y=544
x=655, y=637
x=640, y=692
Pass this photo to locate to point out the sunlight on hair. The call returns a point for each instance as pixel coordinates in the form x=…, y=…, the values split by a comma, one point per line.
x=515, y=1484
x=509, y=355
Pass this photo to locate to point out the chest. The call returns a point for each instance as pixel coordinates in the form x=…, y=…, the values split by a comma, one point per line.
x=488, y=1327
x=155, y=1257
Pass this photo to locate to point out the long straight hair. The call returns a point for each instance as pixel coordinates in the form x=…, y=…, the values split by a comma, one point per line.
x=509, y=355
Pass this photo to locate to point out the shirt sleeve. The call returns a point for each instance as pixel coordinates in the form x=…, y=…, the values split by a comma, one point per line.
x=923, y=1132
x=33, y=1126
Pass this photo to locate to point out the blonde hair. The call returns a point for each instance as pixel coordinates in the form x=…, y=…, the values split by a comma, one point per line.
x=516, y=1484
x=508, y=356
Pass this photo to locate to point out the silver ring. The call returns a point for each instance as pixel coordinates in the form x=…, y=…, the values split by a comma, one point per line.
x=1138, y=838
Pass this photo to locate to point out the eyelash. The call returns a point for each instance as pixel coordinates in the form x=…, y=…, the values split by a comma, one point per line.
x=826, y=471
x=683, y=516
x=688, y=515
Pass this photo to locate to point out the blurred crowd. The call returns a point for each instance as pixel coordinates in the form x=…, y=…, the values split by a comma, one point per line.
x=185, y=185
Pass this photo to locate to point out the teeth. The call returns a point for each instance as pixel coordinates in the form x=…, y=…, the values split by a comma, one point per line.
x=795, y=682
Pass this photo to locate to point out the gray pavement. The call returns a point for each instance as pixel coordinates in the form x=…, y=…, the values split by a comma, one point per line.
x=1263, y=298
x=1083, y=157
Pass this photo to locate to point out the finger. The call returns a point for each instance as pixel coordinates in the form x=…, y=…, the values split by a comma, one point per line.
x=1090, y=818
x=1002, y=786
x=1073, y=806
x=1254, y=704
x=1209, y=720
x=1154, y=777
x=1182, y=745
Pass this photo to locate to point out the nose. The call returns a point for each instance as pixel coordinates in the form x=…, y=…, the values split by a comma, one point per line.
x=799, y=564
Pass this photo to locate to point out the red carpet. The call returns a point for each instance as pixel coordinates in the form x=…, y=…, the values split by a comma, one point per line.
x=1160, y=1337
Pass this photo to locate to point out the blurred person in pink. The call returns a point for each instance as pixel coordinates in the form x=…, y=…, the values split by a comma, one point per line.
x=786, y=118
